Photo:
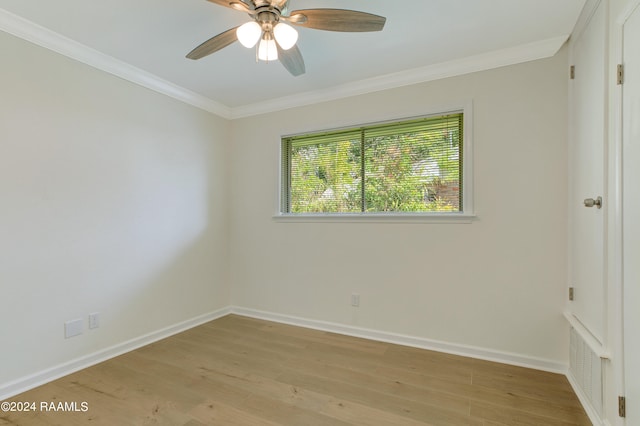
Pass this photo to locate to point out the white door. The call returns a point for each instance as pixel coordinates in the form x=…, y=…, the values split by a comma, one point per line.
x=631, y=215
x=588, y=112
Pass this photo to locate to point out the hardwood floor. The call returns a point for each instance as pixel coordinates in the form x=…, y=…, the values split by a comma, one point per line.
x=244, y=371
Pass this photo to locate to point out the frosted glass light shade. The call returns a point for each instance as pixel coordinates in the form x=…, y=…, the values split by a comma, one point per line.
x=248, y=34
x=267, y=50
x=285, y=35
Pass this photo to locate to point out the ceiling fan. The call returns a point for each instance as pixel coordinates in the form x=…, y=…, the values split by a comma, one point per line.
x=277, y=39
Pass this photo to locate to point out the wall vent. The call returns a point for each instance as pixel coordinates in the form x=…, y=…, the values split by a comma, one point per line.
x=586, y=368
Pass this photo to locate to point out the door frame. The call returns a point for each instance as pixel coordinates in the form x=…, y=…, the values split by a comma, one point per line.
x=615, y=320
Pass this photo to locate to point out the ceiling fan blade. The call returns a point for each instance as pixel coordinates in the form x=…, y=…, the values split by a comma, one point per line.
x=227, y=3
x=214, y=44
x=292, y=60
x=337, y=20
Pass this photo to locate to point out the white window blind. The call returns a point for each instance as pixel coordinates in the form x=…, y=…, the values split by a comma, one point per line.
x=403, y=167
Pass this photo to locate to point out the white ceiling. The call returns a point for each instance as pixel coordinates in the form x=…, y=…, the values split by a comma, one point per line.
x=420, y=38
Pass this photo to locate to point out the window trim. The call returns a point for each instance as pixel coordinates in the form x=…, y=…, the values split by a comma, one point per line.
x=465, y=216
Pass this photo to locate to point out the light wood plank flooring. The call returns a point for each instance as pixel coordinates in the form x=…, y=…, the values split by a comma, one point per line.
x=244, y=371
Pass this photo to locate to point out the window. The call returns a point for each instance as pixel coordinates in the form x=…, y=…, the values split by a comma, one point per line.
x=412, y=166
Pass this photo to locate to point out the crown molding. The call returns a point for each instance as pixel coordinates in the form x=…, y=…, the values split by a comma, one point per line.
x=41, y=36
x=34, y=33
x=486, y=61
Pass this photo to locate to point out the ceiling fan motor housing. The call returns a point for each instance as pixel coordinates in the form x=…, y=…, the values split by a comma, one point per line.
x=276, y=4
x=267, y=18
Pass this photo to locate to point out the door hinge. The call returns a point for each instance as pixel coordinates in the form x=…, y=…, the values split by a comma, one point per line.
x=572, y=72
x=570, y=293
x=622, y=406
x=620, y=74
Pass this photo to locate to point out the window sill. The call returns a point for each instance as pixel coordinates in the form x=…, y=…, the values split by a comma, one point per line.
x=376, y=217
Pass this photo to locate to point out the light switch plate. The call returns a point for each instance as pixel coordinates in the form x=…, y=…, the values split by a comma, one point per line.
x=94, y=320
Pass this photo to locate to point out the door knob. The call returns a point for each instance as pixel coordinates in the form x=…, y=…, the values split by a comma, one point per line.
x=590, y=202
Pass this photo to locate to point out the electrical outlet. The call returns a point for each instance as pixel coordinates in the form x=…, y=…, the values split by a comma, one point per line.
x=73, y=328
x=355, y=299
x=94, y=320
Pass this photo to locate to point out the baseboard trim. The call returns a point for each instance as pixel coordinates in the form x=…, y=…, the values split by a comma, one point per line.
x=586, y=404
x=24, y=384
x=405, y=340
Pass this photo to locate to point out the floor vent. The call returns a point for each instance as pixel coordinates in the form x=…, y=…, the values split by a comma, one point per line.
x=586, y=368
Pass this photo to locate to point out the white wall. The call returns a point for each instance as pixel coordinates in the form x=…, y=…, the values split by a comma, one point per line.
x=112, y=200
x=119, y=200
x=497, y=283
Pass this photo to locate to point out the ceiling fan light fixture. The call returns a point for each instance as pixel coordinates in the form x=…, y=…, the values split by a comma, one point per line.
x=285, y=35
x=276, y=40
x=248, y=34
x=267, y=49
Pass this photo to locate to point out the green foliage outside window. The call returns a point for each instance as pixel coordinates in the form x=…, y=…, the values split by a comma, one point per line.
x=411, y=166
